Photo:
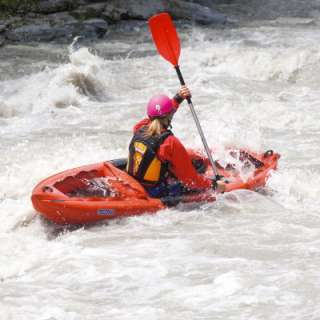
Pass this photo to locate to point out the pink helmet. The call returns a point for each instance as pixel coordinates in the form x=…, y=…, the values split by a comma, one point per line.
x=159, y=106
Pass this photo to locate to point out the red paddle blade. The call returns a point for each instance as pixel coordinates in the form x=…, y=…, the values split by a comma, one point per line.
x=165, y=37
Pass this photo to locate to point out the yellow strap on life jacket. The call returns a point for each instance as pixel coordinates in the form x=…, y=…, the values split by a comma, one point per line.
x=140, y=149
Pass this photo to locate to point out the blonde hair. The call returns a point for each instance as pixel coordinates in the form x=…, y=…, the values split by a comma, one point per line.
x=155, y=127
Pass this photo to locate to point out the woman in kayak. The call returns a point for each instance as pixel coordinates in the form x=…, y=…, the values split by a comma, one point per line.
x=156, y=155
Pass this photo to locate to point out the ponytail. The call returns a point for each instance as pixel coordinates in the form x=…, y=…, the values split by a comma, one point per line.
x=154, y=128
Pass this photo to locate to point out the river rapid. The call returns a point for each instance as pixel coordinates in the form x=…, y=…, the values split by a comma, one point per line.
x=247, y=256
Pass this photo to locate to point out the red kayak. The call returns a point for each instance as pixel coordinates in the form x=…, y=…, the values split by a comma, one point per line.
x=105, y=191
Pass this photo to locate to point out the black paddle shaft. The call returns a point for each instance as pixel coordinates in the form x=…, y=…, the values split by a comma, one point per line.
x=195, y=117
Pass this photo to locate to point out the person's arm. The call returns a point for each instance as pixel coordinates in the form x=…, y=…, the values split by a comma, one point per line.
x=181, y=166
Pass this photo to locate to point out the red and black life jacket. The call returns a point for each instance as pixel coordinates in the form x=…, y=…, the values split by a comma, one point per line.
x=143, y=163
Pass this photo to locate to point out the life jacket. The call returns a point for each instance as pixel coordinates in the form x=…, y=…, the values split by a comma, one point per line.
x=143, y=163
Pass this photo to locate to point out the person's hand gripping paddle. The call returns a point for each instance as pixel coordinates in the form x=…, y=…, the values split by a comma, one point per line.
x=167, y=42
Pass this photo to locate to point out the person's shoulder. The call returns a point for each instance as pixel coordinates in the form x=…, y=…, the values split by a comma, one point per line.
x=172, y=139
x=140, y=124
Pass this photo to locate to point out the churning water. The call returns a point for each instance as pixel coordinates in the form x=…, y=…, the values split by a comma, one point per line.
x=247, y=256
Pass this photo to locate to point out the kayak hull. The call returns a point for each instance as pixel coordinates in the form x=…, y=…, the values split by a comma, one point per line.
x=64, y=197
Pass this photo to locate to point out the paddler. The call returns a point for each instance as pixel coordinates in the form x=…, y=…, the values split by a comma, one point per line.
x=156, y=155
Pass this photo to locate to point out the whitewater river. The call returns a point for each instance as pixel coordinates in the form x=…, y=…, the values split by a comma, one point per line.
x=247, y=256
